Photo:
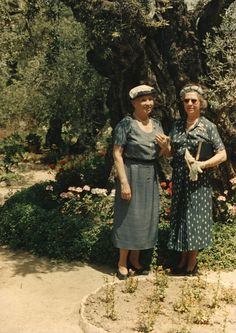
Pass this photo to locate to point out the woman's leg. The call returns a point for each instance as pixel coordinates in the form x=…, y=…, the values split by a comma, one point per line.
x=192, y=260
x=183, y=259
x=122, y=264
x=134, y=258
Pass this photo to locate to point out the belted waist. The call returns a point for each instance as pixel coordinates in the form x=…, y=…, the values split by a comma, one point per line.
x=137, y=160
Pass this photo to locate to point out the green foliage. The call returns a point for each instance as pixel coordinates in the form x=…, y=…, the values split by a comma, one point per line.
x=77, y=223
x=45, y=72
x=110, y=23
x=226, y=204
x=37, y=195
x=221, y=255
x=70, y=225
x=11, y=178
x=221, y=61
x=11, y=149
x=34, y=142
x=165, y=203
x=81, y=171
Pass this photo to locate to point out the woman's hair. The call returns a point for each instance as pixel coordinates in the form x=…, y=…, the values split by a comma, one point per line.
x=194, y=87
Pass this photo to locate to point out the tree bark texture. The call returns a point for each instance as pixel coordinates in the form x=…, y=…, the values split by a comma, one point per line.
x=165, y=56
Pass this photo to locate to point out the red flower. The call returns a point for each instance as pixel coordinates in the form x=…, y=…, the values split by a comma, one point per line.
x=169, y=191
x=52, y=166
x=62, y=162
x=163, y=184
x=170, y=185
x=167, y=210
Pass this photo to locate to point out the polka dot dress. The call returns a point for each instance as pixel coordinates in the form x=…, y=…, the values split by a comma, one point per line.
x=191, y=212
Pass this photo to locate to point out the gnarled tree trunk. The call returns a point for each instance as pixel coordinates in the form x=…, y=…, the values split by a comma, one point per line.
x=166, y=56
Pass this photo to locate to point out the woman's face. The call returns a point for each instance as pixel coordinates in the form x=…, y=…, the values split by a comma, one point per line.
x=143, y=104
x=192, y=104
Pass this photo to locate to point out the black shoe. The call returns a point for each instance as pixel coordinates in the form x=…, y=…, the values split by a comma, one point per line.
x=193, y=272
x=139, y=271
x=178, y=270
x=121, y=276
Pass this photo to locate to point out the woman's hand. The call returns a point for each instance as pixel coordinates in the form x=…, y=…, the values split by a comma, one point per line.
x=125, y=191
x=164, y=142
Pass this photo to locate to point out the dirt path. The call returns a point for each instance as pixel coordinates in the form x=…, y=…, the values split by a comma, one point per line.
x=39, y=296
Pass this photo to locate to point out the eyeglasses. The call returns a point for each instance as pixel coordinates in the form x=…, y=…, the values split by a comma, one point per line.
x=193, y=100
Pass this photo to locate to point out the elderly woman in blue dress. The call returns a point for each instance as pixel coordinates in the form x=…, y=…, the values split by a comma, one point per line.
x=196, y=147
x=136, y=209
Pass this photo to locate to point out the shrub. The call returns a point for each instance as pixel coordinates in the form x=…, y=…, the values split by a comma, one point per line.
x=226, y=204
x=221, y=255
x=82, y=171
x=33, y=142
x=35, y=195
x=70, y=225
x=76, y=225
x=12, y=148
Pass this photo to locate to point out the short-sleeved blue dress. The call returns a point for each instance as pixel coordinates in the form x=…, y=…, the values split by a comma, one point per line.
x=191, y=211
x=136, y=221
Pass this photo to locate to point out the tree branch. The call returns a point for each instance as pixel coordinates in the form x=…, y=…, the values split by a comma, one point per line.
x=212, y=16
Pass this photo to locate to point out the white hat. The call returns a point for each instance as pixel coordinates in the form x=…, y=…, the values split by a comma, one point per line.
x=141, y=90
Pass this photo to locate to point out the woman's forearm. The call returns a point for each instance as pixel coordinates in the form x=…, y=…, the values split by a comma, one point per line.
x=217, y=159
x=120, y=168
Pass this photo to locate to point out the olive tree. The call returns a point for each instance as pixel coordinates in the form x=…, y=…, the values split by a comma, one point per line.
x=45, y=76
x=167, y=44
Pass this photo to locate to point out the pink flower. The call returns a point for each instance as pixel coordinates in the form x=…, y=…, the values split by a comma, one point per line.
x=49, y=188
x=233, y=181
x=63, y=195
x=232, y=210
x=67, y=195
x=221, y=198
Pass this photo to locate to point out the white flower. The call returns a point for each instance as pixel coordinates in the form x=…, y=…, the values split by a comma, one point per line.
x=75, y=189
x=113, y=192
x=86, y=188
x=99, y=191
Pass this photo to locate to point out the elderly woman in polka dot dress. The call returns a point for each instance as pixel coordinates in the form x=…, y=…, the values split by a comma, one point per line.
x=191, y=212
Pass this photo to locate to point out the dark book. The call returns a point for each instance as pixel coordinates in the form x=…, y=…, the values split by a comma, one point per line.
x=205, y=151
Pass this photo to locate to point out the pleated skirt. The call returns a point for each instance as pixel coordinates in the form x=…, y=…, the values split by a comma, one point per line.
x=136, y=221
x=191, y=211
